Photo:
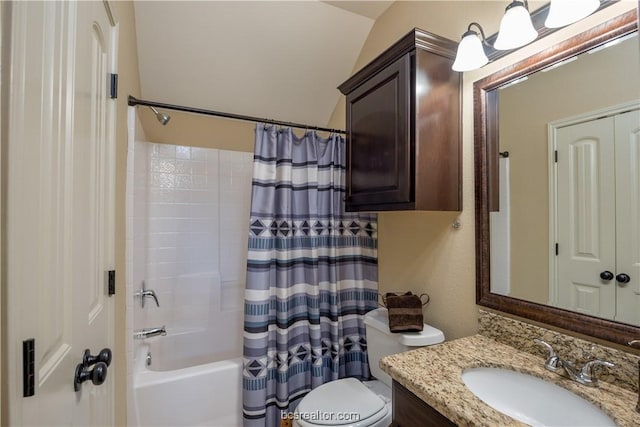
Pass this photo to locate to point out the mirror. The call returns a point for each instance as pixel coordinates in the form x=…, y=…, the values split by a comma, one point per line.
x=527, y=202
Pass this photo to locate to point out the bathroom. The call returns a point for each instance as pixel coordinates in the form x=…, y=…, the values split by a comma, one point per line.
x=421, y=251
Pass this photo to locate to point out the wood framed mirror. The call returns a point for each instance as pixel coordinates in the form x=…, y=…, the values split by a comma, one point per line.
x=486, y=158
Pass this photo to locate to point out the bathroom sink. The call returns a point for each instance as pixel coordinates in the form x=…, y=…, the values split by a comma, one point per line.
x=532, y=400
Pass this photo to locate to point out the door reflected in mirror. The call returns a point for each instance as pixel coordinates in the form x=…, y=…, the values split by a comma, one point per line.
x=567, y=232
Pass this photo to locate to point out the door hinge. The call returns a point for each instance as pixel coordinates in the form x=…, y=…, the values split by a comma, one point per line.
x=28, y=367
x=111, y=282
x=113, y=86
x=557, y=249
x=555, y=154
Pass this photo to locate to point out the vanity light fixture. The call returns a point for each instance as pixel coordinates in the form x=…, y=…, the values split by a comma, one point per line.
x=471, y=54
x=565, y=12
x=516, y=28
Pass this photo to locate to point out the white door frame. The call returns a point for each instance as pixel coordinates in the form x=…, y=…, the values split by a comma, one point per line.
x=552, y=131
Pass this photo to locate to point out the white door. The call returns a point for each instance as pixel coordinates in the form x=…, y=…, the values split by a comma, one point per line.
x=60, y=207
x=586, y=217
x=627, y=136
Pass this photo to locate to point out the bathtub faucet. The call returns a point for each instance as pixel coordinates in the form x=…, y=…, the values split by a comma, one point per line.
x=140, y=334
x=144, y=293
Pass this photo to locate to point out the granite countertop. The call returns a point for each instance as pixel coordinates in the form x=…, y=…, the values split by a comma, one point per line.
x=434, y=375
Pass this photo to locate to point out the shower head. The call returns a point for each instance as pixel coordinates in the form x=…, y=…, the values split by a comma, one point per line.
x=162, y=117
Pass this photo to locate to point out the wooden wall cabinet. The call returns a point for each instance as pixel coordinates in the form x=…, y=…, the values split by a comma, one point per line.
x=410, y=411
x=403, y=128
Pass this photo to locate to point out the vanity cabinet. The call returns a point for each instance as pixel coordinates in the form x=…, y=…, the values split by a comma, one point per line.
x=403, y=128
x=410, y=411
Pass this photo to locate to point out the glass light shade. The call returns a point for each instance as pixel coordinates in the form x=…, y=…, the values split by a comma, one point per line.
x=516, y=28
x=470, y=54
x=565, y=12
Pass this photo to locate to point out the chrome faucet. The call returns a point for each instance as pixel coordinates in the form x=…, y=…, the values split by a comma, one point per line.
x=144, y=293
x=140, y=334
x=585, y=375
x=553, y=361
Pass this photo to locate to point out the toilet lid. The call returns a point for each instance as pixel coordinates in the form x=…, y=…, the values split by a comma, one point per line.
x=343, y=396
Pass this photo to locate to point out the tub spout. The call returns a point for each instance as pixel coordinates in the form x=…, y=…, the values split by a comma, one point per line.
x=140, y=334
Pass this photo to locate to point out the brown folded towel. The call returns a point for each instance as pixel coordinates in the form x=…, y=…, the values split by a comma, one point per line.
x=405, y=311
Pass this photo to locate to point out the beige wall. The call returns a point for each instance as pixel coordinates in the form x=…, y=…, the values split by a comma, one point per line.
x=128, y=84
x=592, y=82
x=198, y=131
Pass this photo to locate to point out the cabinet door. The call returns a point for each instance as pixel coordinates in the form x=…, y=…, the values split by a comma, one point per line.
x=378, y=140
x=586, y=217
x=627, y=171
x=410, y=411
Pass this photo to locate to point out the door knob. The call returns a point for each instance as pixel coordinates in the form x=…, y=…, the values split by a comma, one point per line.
x=103, y=356
x=97, y=374
x=623, y=278
x=606, y=275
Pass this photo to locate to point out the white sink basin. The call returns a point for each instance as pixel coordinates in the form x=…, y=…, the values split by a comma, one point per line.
x=532, y=400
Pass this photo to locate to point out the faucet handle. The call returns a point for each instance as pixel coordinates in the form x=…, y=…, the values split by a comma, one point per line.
x=596, y=362
x=553, y=361
x=587, y=370
x=151, y=293
x=144, y=293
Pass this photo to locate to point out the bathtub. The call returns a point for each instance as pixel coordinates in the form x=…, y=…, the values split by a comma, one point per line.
x=166, y=394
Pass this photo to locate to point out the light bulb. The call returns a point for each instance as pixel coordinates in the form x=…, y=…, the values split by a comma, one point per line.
x=470, y=54
x=516, y=28
x=565, y=12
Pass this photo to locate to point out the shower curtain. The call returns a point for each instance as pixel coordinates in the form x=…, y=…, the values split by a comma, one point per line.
x=311, y=275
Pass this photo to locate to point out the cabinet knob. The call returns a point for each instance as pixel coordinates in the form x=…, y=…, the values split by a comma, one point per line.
x=623, y=278
x=606, y=275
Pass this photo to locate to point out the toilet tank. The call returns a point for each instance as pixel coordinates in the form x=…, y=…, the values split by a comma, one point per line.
x=382, y=342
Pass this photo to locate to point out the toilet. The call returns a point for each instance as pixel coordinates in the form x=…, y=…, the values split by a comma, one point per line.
x=349, y=402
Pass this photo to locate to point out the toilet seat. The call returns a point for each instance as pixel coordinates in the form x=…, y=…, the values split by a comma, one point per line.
x=345, y=396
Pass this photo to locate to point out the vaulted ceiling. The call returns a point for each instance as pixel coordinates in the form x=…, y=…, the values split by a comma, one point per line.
x=274, y=59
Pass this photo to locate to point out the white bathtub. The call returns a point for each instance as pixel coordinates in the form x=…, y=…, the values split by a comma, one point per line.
x=208, y=394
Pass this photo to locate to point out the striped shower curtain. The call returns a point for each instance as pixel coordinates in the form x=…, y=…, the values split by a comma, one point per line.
x=311, y=275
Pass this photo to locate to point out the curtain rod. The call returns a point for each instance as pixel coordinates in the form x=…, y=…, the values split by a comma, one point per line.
x=134, y=101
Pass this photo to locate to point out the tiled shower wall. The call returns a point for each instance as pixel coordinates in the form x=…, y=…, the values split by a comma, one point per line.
x=191, y=216
x=188, y=228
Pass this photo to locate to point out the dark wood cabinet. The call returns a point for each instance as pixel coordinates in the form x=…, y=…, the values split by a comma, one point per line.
x=403, y=128
x=410, y=411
